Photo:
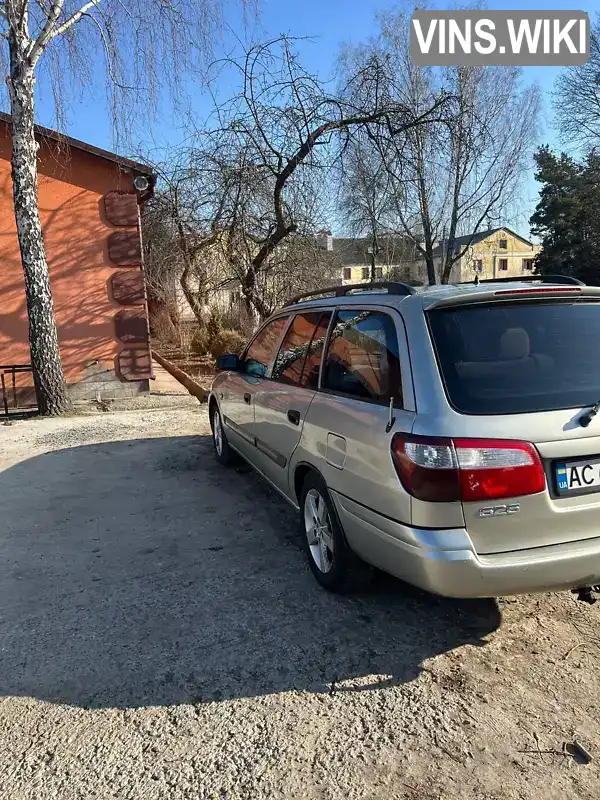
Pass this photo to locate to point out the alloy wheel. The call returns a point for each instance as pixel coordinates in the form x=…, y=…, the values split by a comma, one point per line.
x=317, y=525
x=217, y=432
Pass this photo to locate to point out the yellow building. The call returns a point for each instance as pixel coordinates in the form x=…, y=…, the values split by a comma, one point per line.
x=496, y=253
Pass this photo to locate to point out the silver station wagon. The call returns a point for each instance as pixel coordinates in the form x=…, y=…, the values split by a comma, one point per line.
x=446, y=434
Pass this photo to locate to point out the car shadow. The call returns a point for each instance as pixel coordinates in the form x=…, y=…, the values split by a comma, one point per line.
x=140, y=572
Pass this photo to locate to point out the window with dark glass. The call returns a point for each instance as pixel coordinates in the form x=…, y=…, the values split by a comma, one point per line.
x=366, y=273
x=294, y=348
x=347, y=273
x=503, y=264
x=362, y=357
x=262, y=350
x=312, y=365
x=519, y=358
x=503, y=244
x=379, y=272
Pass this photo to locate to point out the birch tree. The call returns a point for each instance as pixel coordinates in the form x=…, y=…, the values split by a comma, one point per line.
x=140, y=42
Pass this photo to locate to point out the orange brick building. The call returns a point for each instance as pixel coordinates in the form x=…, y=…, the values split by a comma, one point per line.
x=89, y=208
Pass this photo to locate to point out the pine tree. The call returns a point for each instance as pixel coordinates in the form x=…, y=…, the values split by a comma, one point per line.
x=567, y=216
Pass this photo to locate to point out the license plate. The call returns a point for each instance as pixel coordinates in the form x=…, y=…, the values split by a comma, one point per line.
x=578, y=476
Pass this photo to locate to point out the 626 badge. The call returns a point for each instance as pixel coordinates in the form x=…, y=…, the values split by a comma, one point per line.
x=499, y=511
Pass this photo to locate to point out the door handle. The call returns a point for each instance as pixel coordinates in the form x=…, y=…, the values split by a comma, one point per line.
x=293, y=416
x=247, y=397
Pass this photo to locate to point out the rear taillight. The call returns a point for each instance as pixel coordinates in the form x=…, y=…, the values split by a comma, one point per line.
x=444, y=470
x=427, y=467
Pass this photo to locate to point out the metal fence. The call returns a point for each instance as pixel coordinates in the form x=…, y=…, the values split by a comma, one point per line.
x=11, y=370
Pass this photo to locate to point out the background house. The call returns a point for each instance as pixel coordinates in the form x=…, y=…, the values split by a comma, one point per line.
x=351, y=259
x=90, y=216
x=494, y=253
x=330, y=260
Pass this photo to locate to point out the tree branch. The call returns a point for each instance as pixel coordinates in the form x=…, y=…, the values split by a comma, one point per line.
x=51, y=30
x=107, y=53
x=45, y=34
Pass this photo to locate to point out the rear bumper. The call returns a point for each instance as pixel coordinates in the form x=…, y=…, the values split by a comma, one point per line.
x=445, y=562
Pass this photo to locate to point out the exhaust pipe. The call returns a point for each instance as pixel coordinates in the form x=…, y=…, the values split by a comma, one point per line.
x=586, y=594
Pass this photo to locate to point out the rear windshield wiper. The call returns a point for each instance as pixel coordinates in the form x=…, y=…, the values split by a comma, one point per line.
x=586, y=418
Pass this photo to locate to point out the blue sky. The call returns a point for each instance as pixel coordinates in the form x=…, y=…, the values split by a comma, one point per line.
x=328, y=23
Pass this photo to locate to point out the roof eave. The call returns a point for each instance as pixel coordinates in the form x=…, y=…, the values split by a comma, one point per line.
x=125, y=163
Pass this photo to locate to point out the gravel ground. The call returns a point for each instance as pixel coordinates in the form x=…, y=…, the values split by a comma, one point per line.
x=162, y=637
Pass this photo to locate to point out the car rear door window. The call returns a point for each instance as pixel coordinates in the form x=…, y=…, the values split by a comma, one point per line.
x=510, y=359
x=261, y=351
x=312, y=365
x=362, y=357
x=294, y=348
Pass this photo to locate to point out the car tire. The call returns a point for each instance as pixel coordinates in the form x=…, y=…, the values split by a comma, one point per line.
x=224, y=454
x=331, y=560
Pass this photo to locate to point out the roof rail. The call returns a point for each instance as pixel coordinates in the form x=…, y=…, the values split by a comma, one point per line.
x=558, y=279
x=341, y=291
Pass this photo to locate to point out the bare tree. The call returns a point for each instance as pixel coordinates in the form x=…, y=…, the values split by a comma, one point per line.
x=248, y=195
x=577, y=98
x=366, y=195
x=298, y=265
x=451, y=179
x=162, y=262
x=213, y=202
x=162, y=270
x=293, y=130
x=142, y=40
x=193, y=209
x=205, y=225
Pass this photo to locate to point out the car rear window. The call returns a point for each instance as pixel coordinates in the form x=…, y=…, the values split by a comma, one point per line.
x=517, y=358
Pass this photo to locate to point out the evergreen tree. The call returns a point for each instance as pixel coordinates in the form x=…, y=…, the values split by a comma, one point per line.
x=567, y=216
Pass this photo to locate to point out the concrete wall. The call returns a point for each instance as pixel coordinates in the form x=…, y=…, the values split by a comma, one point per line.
x=102, y=343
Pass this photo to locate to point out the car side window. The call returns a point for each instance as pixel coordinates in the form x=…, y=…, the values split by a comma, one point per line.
x=362, y=357
x=295, y=347
x=262, y=350
x=312, y=365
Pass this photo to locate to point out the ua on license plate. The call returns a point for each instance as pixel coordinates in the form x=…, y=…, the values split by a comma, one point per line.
x=578, y=476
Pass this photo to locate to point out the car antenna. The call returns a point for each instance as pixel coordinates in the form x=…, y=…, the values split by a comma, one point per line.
x=391, y=417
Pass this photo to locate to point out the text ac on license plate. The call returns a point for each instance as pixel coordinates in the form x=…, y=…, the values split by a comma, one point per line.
x=577, y=477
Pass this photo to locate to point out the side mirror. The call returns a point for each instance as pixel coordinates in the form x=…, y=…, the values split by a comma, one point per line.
x=230, y=362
